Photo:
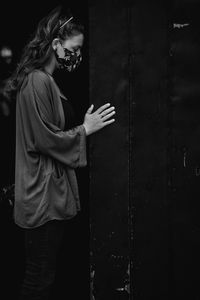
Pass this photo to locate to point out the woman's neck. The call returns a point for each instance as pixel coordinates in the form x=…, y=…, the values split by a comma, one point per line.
x=50, y=66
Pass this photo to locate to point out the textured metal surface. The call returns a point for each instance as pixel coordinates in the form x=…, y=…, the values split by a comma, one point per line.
x=184, y=192
x=109, y=152
x=150, y=86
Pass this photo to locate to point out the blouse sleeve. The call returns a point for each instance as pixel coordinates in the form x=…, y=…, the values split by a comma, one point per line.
x=68, y=147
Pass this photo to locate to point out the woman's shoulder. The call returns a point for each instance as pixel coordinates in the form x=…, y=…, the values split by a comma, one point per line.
x=38, y=79
x=39, y=75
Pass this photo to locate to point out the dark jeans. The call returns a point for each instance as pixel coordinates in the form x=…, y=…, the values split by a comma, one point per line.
x=42, y=245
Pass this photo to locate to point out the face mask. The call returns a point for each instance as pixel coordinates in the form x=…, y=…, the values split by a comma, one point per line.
x=67, y=59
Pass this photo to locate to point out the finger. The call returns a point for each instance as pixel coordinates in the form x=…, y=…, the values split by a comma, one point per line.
x=107, y=111
x=100, y=109
x=90, y=109
x=108, y=116
x=108, y=122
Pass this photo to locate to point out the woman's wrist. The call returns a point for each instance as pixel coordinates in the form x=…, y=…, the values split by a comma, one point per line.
x=86, y=129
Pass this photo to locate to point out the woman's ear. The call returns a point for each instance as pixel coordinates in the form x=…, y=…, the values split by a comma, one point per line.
x=55, y=43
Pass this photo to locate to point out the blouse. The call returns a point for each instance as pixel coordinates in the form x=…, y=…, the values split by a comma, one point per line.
x=46, y=155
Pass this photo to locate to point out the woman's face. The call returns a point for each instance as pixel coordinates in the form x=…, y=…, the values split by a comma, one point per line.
x=68, y=52
x=73, y=43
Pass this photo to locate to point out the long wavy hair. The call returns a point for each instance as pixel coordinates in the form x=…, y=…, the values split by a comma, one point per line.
x=39, y=49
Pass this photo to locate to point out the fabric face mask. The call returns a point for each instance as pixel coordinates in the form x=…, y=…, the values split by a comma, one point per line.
x=67, y=59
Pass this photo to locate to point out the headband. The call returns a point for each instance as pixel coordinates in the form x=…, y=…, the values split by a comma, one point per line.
x=66, y=22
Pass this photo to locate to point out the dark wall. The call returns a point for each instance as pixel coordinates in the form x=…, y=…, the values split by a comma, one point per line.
x=144, y=58
x=149, y=45
x=129, y=208
x=185, y=148
x=109, y=151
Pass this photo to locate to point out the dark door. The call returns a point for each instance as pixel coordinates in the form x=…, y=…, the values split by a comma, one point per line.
x=144, y=172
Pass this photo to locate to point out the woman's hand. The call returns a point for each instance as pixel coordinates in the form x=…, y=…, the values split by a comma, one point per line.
x=99, y=119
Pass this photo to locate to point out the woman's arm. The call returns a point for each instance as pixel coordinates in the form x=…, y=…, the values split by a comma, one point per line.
x=68, y=147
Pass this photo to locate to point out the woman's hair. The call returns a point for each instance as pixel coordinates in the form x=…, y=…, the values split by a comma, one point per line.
x=39, y=49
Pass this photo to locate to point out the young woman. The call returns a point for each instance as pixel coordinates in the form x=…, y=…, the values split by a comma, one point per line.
x=48, y=146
